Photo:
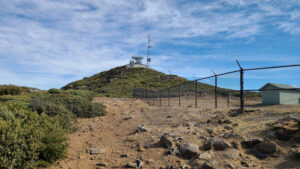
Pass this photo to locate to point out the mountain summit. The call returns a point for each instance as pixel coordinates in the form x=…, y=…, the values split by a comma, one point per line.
x=120, y=81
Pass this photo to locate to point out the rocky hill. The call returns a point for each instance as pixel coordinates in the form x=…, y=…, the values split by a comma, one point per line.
x=120, y=81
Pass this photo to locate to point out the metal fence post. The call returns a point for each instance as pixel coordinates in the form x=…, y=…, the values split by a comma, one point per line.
x=241, y=86
x=242, y=89
x=153, y=98
x=196, y=95
x=187, y=91
x=216, y=90
x=179, y=101
x=168, y=97
x=160, y=98
x=147, y=97
x=228, y=97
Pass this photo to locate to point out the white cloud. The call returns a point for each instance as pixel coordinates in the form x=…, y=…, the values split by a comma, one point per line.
x=82, y=37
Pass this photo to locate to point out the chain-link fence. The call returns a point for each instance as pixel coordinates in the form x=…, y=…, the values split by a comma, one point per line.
x=236, y=89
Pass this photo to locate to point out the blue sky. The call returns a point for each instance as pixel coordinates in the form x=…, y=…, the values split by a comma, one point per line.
x=49, y=43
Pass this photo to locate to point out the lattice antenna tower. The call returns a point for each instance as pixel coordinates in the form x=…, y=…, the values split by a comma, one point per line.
x=148, y=52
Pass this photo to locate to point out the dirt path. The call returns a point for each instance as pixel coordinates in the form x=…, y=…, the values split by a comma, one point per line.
x=114, y=136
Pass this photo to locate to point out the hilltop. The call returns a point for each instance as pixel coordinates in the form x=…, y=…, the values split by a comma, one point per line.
x=120, y=81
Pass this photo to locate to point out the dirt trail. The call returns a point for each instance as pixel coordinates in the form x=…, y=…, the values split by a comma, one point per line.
x=115, y=137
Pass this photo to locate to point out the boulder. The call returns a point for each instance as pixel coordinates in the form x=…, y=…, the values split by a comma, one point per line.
x=219, y=144
x=141, y=128
x=296, y=153
x=207, y=146
x=129, y=117
x=189, y=150
x=131, y=165
x=266, y=147
x=102, y=164
x=95, y=151
x=247, y=144
x=166, y=141
x=207, y=165
x=290, y=124
x=205, y=156
x=283, y=134
x=231, y=154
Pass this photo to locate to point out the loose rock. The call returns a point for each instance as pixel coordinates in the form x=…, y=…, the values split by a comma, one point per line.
x=141, y=128
x=296, y=153
x=231, y=154
x=131, y=165
x=266, y=147
x=219, y=145
x=129, y=117
x=205, y=156
x=101, y=164
x=250, y=143
x=207, y=165
x=166, y=141
x=189, y=150
x=95, y=151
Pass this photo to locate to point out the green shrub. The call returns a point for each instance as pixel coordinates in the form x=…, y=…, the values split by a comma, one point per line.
x=10, y=90
x=33, y=126
x=83, y=93
x=54, y=107
x=54, y=91
x=83, y=107
x=98, y=109
x=28, y=139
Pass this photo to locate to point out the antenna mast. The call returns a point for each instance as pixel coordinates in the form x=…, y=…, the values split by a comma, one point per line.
x=148, y=53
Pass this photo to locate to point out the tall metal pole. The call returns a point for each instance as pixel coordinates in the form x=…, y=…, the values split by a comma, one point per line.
x=228, y=97
x=160, y=98
x=216, y=91
x=179, y=95
x=196, y=93
x=168, y=97
x=242, y=90
x=153, y=97
x=241, y=86
x=148, y=97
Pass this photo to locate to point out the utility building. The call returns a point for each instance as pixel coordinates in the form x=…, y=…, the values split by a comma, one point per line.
x=136, y=62
x=274, y=93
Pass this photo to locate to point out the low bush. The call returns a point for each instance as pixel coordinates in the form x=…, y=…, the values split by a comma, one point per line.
x=77, y=102
x=33, y=125
x=29, y=140
x=10, y=90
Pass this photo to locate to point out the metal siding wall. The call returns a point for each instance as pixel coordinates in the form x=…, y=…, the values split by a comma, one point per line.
x=289, y=97
x=270, y=97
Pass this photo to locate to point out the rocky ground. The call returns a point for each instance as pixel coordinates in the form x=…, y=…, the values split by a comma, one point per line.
x=134, y=135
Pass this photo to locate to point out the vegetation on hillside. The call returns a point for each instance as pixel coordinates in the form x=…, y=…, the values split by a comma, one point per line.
x=34, y=124
x=120, y=81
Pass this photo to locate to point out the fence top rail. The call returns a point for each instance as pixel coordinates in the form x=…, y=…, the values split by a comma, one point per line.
x=272, y=67
x=221, y=74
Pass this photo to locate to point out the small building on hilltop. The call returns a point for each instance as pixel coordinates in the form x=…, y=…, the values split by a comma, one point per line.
x=274, y=93
x=136, y=62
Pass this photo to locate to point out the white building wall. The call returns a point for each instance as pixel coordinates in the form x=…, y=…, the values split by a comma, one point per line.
x=289, y=97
